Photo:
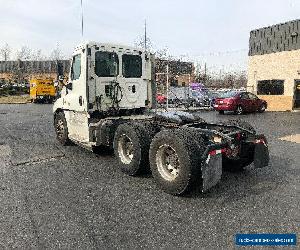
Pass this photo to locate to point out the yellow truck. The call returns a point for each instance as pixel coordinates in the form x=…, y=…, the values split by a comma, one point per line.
x=42, y=90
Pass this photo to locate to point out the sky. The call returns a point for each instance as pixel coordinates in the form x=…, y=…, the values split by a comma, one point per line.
x=214, y=32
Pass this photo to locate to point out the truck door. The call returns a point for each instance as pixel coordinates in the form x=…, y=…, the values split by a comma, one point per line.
x=75, y=101
x=77, y=84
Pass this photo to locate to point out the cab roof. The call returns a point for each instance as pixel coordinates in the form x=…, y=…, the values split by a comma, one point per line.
x=109, y=46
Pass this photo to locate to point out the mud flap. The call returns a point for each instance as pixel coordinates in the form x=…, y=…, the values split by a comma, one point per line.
x=261, y=155
x=211, y=171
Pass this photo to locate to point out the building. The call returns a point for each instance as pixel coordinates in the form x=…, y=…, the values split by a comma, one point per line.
x=179, y=73
x=274, y=65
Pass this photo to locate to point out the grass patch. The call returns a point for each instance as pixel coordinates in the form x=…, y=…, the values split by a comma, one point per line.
x=14, y=99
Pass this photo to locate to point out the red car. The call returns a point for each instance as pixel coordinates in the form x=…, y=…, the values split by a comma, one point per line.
x=161, y=99
x=239, y=102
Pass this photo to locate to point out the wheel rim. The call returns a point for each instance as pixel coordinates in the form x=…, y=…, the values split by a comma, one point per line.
x=239, y=110
x=60, y=128
x=125, y=149
x=263, y=107
x=167, y=162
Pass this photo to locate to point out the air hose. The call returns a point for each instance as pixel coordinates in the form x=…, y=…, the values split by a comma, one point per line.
x=116, y=94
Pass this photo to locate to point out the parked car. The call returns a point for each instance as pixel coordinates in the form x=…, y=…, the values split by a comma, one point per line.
x=212, y=96
x=239, y=102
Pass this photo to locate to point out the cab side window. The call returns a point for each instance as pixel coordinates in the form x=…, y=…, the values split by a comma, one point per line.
x=76, y=67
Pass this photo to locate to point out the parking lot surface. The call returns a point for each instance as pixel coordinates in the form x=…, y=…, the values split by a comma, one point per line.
x=66, y=197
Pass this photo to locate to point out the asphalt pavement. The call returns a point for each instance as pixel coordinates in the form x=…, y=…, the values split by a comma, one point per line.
x=69, y=198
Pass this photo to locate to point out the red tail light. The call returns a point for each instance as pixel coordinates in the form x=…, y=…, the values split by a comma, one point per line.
x=218, y=151
x=230, y=101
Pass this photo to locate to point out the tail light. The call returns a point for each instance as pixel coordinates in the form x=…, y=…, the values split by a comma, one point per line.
x=261, y=141
x=218, y=151
x=230, y=101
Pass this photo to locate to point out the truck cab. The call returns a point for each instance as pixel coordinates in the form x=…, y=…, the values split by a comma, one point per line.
x=104, y=80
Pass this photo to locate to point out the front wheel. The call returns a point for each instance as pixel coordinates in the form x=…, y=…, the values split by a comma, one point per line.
x=61, y=129
x=239, y=110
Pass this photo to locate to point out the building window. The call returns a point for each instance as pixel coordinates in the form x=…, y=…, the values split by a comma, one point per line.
x=270, y=87
x=106, y=64
x=132, y=66
x=174, y=82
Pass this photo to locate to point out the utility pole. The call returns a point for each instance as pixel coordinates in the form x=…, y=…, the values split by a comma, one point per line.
x=205, y=73
x=81, y=19
x=167, y=86
x=188, y=87
x=145, y=37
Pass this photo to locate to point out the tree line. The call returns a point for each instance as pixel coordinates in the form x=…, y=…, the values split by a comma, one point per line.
x=25, y=53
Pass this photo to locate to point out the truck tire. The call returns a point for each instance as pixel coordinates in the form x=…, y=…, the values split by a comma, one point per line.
x=131, y=147
x=61, y=129
x=237, y=165
x=175, y=160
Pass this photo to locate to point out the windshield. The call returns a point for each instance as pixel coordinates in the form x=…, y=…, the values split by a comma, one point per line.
x=228, y=94
x=213, y=94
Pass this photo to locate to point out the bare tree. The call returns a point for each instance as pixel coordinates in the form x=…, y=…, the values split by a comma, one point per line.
x=5, y=52
x=24, y=53
x=56, y=53
x=37, y=55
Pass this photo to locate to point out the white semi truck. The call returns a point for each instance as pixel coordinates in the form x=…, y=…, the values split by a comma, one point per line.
x=110, y=101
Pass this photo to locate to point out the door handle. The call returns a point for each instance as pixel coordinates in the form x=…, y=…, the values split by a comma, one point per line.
x=80, y=100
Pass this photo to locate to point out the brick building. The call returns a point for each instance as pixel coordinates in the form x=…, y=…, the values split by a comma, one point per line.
x=274, y=65
x=20, y=71
x=180, y=73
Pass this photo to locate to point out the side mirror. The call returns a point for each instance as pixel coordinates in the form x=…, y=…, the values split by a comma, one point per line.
x=69, y=86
